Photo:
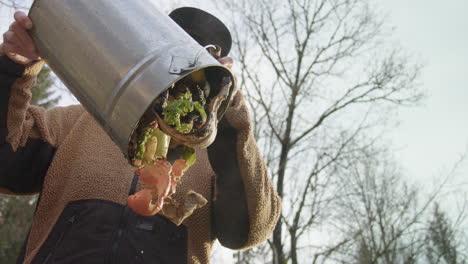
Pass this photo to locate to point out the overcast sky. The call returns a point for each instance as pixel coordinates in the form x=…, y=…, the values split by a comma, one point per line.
x=434, y=135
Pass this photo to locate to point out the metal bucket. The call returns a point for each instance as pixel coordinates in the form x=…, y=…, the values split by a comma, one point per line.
x=117, y=56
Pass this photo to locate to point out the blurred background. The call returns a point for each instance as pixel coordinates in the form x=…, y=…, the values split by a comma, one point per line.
x=359, y=110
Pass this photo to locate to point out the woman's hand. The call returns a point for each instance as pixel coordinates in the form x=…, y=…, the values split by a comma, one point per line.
x=17, y=44
x=226, y=61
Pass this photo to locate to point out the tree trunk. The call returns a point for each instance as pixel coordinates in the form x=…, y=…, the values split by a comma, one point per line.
x=277, y=239
x=293, y=247
x=278, y=257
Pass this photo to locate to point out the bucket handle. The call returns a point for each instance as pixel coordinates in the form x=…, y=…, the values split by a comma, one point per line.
x=179, y=64
x=200, y=52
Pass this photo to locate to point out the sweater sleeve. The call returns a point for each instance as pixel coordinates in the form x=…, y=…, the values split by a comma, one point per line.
x=29, y=135
x=246, y=206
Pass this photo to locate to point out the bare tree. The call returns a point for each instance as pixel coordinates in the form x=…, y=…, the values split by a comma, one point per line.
x=319, y=80
x=14, y=4
x=258, y=254
x=382, y=214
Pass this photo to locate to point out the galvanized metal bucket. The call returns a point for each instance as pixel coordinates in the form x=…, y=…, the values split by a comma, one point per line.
x=117, y=56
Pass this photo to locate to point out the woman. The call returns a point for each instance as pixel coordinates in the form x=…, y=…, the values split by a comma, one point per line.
x=84, y=180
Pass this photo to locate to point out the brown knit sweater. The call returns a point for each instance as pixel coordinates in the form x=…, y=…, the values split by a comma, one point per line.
x=86, y=164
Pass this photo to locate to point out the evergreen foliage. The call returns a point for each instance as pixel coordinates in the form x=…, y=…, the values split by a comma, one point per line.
x=43, y=92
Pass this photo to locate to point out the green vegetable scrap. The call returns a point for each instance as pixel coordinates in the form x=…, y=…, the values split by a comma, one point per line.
x=188, y=154
x=163, y=143
x=200, y=109
x=142, y=145
x=180, y=108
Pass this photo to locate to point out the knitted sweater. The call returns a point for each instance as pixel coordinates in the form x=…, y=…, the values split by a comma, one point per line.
x=84, y=181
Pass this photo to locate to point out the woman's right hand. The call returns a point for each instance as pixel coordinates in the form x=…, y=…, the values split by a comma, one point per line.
x=17, y=44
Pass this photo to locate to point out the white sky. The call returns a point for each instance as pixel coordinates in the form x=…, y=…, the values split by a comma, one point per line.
x=434, y=135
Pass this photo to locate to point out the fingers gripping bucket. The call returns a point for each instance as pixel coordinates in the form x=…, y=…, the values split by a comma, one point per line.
x=118, y=56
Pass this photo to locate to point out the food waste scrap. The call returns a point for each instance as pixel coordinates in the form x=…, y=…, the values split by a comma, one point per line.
x=181, y=112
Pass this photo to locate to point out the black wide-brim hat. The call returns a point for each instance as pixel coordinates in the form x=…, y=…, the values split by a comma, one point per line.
x=202, y=26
